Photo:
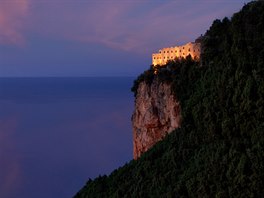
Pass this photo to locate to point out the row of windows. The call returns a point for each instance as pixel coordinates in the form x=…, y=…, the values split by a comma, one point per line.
x=168, y=57
x=179, y=51
x=169, y=51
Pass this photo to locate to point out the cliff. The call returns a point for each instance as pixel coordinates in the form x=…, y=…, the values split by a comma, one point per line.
x=157, y=113
x=218, y=150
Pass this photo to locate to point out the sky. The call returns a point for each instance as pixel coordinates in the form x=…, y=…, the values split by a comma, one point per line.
x=98, y=37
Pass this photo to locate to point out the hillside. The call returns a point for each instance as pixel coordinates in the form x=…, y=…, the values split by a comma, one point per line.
x=218, y=151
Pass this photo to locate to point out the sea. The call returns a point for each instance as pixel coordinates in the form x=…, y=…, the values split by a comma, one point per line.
x=56, y=133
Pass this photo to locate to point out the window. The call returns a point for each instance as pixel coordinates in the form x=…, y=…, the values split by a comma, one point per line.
x=171, y=51
x=154, y=58
x=168, y=57
x=193, y=50
x=180, y=50
x=183, y=54
x=167, y=51
x=189, y=49
x=182, y=47
x=176, y=51
x=172, y=57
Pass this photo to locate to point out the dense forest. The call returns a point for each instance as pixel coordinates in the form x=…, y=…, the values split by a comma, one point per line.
x=218, y=151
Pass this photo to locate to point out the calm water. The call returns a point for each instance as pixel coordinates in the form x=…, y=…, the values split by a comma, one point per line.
x=55, y=133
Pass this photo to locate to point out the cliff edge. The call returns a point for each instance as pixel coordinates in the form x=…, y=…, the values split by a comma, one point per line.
x=218, y=150
x=157, y=113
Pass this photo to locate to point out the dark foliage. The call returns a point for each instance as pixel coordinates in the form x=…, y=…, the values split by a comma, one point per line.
x=218, y=151
x=147, y=76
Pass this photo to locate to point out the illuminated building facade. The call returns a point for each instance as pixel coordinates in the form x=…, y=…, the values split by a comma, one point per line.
x=171, y=53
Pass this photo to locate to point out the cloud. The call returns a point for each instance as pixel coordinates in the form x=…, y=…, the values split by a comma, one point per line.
x=138, y=26
x=130, y=25
x=12, y=18
x=101, y=22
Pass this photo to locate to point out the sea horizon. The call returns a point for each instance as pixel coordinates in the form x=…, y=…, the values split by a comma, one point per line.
x=57, y=132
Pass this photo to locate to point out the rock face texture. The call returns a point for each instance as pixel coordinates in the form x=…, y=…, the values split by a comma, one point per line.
x=156, y=114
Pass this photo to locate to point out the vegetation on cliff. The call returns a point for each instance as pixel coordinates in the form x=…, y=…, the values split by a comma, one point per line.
x=218, y=151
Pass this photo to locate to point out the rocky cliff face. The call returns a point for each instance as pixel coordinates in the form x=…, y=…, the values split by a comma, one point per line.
x=156, y=114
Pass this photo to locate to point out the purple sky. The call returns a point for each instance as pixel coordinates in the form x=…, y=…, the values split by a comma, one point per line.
x=98, y=38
